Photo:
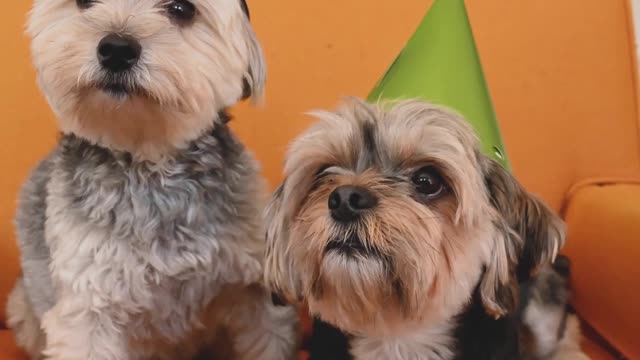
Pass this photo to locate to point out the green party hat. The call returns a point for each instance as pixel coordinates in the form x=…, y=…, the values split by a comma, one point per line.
x=440, y=63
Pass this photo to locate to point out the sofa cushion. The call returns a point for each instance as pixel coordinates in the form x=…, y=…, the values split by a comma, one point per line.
x=595, y=350
x=603, y=219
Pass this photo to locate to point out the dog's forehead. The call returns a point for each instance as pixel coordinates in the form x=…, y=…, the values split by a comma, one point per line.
x=214, y=4
x=392, y=141
x=387, y=146
x=361, y=136
x=223, y=8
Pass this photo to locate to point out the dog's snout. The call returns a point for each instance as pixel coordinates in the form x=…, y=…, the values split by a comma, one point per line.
x=348, y=202
x=118, y=53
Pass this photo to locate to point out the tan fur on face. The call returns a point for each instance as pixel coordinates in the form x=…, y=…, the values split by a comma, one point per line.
x=428, y=254
x=414, y=261
x=186, y=73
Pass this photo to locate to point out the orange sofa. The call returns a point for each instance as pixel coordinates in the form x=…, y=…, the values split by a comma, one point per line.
x=563, y=80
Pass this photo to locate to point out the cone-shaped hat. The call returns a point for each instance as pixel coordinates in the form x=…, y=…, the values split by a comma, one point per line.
x=440, y=64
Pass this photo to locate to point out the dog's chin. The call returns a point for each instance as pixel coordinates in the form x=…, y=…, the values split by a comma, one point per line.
x=121, y=91
x=350, y=246
x=360, y=290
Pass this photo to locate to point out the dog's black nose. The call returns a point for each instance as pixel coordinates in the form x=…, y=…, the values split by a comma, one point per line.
x=348, y=202
x=118, y=53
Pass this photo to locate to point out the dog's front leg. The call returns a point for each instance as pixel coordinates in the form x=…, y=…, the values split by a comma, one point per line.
x=80, y=327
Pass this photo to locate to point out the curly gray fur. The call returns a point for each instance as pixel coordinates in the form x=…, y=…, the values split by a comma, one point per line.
x=173, y=236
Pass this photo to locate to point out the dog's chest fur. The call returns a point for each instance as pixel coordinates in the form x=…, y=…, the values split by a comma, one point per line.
x=472, y=335
x=433, y=343
x=155, y=243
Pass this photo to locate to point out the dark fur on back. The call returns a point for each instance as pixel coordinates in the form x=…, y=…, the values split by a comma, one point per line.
x=481, y=337
x=328, y=342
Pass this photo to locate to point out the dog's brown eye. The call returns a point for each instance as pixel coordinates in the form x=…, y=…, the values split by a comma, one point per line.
x=321, y=171
x=428, y=181
x=182, y=10
x=85, y=4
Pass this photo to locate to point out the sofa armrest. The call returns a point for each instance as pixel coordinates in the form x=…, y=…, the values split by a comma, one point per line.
x=604, y=245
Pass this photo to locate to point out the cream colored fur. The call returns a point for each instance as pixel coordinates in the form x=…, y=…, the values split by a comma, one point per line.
x=188, y=74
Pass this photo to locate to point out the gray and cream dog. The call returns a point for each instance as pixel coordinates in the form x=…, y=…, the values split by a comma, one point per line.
x=403, y=238
x=141, y=233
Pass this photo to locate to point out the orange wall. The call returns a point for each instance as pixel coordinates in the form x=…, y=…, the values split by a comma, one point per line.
x=560, y=73
x=26, y=131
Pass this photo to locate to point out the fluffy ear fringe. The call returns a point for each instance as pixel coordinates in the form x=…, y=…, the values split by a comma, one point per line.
x=280, y=273
x=255, y=78
x=529, y=236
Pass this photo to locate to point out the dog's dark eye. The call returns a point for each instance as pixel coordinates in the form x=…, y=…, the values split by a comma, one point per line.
x=321, y=170
x=85, y=4
x=428, y=181
x=182, y=10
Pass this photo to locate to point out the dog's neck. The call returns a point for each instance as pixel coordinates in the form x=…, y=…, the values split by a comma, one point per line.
x=219, y=132
x=471, y=335
x=433, y=342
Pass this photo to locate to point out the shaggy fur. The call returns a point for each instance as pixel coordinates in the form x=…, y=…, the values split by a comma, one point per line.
x=415, y=275
x=548, y=328
x=141, y=233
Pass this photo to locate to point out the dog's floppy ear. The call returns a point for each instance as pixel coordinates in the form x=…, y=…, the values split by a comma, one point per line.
x=254, y=80
x=529, y=236
x=280, y=273
x=540, y=230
